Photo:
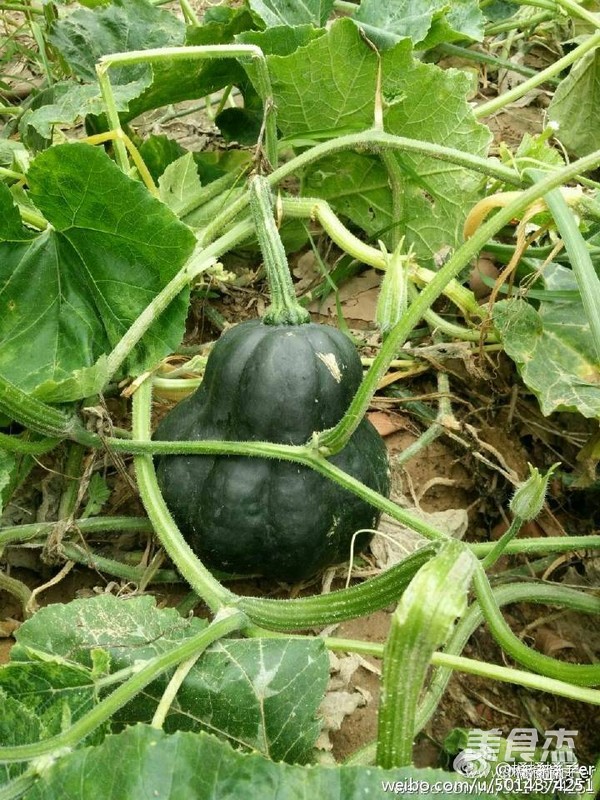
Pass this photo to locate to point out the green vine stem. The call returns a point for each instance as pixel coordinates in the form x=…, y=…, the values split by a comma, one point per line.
x=112, y=115
x=188, y=12
x=504, y=99
x=500, y=546
x=40, y=417
x=580, y=674
x=200, y=261
x=470, y=666
x=19, y=786
x=579, y=257
x=436, y=429
x=17, y=444
x=372, y=141
x=486, y=58
x=11, y=173
x=336, y=438
x=315, y=208
x=170, y=693
x=307, y=455
x=519, y=23
x=110, y=566
x=31, y=218
x=558, y=544
x=199, y=578
x=396, y=183
x=229, y=621
x=216, y=190
x=12, y=534
x=339, y=605
x=300, y=454
x=39, y=530
x=32, y=412
x=284, y=308
x=192, y=53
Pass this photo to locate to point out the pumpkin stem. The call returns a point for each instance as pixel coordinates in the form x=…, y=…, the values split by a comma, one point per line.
x=284, y=308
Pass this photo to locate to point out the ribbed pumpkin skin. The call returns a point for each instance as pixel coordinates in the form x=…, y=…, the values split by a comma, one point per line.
x=275, y=383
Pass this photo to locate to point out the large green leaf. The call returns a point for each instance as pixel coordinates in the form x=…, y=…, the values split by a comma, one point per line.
x=178, y=182
x=69, y=293
x=262, y=694
x=291, y=12
x=143, y=762
x=85, y=35
x=280, y=40
x=329, y=87
x=552, y=348
x=574, y=108
x=18, y=725
x=387, y=23
x=72, y=102
x=55, y=692
x=127, y=630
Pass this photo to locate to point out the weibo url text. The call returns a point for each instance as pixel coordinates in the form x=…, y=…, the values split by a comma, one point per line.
x=518, y=783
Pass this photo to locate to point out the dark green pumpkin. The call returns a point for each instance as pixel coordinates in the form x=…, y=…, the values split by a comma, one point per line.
x=276, y=383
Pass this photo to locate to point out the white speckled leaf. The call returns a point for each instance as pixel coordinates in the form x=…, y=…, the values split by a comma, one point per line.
x=261, y=694
x=553, y=351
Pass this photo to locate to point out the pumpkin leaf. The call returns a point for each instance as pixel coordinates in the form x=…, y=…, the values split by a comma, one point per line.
x=86, y=34
x=127, y=631
x=388, y=23
x=73, y=102
x=259, y=693
x=199, y=765
x=69, y=293
x=284, y=12
x=573, y=109
x=434, y=195
x=302, y=82
x=552, y=348
x=18, y=725
x=54, y=692
x=178, y=182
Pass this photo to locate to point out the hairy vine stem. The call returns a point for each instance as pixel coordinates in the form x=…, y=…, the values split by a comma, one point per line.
x=336, y=438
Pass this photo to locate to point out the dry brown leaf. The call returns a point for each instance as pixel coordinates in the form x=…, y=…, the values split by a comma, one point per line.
x=341, y=699
x=550, y=643
x=334, y=708
x=386, y=423
x=397, y=541
x=8, y=627
x=306, y=271
x=358, y=298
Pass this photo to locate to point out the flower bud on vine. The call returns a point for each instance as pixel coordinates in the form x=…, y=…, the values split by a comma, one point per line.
x=528, y=500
